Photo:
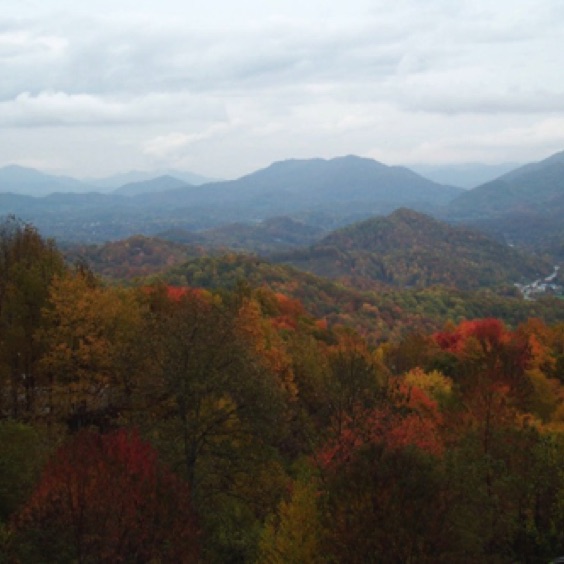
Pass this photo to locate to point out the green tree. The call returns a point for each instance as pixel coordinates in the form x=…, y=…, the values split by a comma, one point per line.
x=218, y=405
x=28, y=264
x=22, y=453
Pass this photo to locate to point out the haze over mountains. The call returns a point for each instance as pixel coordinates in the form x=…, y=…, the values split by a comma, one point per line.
x=118, y=180
x=309, y=198
x=523, y=207
x=465, y=175
x=321, y=193
x=31, y=182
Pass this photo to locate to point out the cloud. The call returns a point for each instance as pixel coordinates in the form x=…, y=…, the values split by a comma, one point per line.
x=208, y=82
x=49, y=109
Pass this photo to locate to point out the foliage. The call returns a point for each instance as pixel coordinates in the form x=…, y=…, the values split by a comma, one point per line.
x=105, y=498
x=305, y=421
x=409, y=249
x=294, y=534
x=21, y=456
x=27, y=266
x=91, y=335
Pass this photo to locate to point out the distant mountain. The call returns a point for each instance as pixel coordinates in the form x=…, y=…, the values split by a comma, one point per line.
x=345, y=179
x=115, y=181
x=535, y=187
x=320, y=192
x=410, y=249
x=344, y=186
x=155, y=185
x=465, y=175
x=30, y=182
x=524, y=207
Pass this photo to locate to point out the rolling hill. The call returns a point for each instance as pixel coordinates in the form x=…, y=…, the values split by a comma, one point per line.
x=410, y=249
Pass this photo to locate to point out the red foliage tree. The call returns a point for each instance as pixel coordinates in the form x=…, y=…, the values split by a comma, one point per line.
x=491, y=373
x=409, y=419
x=105, y=498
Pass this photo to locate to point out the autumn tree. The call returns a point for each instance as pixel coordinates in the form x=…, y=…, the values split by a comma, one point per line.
x=93, y=351
x=28, y=264
x=353, y=384
x=294, y=534
x=490, y=372
x=107, y=499
x=217, y=406
x=388, y=505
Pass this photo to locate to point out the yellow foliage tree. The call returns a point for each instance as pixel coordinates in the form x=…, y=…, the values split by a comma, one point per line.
x=294, y=534
x=91, y=336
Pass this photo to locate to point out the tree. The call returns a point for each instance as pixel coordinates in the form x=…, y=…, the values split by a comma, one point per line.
x=354, y=382
x=294, y=534
x=27, y=266
x=218, y=410
x=93, y=352
x=21, y=457
x=107, y=499
x=388, y=505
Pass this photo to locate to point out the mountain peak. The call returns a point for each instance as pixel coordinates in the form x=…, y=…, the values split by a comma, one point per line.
x=31, y=182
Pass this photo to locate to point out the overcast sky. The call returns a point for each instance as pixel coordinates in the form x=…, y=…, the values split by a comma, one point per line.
x=224, y=87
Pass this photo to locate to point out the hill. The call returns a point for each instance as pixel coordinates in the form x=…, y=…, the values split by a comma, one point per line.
x=410, y=249
x=342, y=185
x=523, y=207
x=159, y=184
x=533, y=188
x=320, y=193
x=382, y=315
x=30, y=182
x=109, y=183
x=134, y=257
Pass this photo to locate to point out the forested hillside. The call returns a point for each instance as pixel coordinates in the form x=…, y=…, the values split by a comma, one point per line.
x=169, y=422
x=523, y=207
x=410, y=249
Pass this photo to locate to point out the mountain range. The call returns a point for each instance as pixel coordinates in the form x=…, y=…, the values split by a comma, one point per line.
x=522, y=207
x=320, y=193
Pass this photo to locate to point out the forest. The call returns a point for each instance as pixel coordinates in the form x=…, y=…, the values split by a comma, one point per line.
x=230, y=411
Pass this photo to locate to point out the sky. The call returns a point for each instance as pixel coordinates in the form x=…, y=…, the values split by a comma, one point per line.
x=223, y=87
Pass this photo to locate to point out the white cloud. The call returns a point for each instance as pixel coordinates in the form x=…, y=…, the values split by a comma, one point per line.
x=48, y=109
x=206, y=83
